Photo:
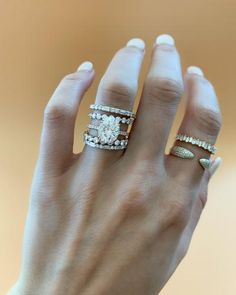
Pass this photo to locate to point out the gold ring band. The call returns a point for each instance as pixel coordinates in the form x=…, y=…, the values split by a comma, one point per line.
x=196, y=141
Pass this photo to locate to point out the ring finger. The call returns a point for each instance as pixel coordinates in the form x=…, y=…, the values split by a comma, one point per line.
x=118, y=88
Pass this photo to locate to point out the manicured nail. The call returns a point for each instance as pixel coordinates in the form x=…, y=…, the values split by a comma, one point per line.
x=165, y=39
x=215, y=165
x=136, y=42
x=195, y=70
x=87, y=66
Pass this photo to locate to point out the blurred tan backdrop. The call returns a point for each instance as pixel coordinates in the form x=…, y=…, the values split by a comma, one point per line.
x=41, y=41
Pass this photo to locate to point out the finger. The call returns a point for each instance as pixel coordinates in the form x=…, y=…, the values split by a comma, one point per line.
x=56, y=148
x=118, y=88
x=202, y=120
x=162, y=90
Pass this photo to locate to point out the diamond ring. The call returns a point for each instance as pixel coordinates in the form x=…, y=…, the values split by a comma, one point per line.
x=196, y=141
x=108, y=128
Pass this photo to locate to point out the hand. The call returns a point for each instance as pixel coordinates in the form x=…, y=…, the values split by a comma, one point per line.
x=118, y=222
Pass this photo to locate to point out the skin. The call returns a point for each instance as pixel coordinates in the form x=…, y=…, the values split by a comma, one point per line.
x=118, y=222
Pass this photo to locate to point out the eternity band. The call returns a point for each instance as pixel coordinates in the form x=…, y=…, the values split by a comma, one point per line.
x=99, y=116
x=196, y=141
x=112, y=110
x=94, y=141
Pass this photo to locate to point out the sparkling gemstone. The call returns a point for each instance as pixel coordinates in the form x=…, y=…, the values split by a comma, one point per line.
x=118, y=119
x=117, y=142
x=108, y=130
x=123, y=120
x=99, y=116
x=96, y=140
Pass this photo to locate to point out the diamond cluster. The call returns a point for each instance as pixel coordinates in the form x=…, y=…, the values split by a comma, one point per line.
x=108, y=129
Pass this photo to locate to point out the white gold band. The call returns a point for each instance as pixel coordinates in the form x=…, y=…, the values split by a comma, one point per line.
x=112, y=110
x=99, y=116
x=95, y=142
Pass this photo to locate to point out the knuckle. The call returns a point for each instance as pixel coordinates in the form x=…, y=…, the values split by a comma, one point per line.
x=134, y=200
x=208, y=120
x=77, y=77
x=164, y=89
x=128, y=50
x=57, y=113
x=120, y=90
x=178, y=214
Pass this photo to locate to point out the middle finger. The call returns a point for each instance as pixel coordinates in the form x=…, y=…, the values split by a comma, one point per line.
x=160, y=98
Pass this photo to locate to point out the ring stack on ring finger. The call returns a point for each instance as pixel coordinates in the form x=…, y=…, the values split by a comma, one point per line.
x=107, y=121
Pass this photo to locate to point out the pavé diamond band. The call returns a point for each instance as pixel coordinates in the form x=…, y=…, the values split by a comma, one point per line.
x=99, y=116
x=184, y=153
x=94, y=142
x=112, y=110
x=181, y=152
x=196, y=141
x=108, y=128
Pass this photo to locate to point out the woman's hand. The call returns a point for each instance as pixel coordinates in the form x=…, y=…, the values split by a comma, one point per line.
x=118, y=222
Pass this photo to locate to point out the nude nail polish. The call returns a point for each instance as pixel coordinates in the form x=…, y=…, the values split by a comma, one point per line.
x=195, y=70
x=165, y=39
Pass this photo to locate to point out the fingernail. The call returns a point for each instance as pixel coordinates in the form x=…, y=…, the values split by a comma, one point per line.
x=165, y=39
x=136, y=42
x=195, y=70
x=215, y=165
x=87, y=66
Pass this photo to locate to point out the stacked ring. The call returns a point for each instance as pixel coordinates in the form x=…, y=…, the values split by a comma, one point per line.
x=108, y=128
x=196, y=141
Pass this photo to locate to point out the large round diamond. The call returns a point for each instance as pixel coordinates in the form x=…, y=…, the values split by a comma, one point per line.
x=108, y=130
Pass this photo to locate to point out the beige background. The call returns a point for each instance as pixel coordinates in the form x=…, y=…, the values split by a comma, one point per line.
x=41, y=41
